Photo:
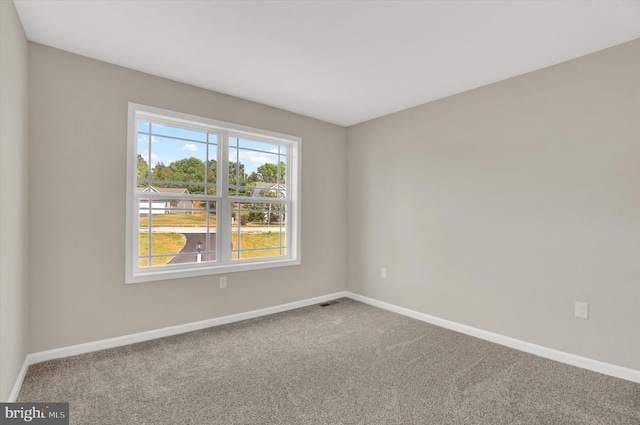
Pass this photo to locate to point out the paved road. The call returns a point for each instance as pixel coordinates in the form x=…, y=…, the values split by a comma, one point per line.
x=202, y=230
x=190, y=248
x=195, y=234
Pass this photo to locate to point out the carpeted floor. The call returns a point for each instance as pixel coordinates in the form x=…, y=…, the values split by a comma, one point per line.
x=346, y=363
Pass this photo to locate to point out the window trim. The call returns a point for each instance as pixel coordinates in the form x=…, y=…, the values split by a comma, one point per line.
x=134, y=274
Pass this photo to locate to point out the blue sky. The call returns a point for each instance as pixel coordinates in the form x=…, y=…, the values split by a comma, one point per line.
x=170, y=144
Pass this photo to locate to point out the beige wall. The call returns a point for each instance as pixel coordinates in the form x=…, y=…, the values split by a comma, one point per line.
x=77, y=211
x=13, y=196
x=496, y=208
x=500, y=207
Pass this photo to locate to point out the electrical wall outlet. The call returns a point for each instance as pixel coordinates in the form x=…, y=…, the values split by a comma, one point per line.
x=223, y=282
x=383, y=273
x=582, y=310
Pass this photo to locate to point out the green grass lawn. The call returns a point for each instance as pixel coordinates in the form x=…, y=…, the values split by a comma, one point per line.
x=161, y=243
x=179, y=220
x=197, y=219
x=172, y=243
x=257, y=240
x=261, y=224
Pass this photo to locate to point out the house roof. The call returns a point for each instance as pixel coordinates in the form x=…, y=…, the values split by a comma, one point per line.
x=164, y=189
x=260, y=186
x=267, y=185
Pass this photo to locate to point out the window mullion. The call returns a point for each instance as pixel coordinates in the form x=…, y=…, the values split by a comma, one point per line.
x=223, y=219
x=206, y=166
x=149, y=204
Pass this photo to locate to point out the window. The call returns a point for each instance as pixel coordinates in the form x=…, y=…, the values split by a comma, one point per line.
x=208, y=197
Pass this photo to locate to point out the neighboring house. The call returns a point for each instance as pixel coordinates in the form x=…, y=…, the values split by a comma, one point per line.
x=166, y=206
x=275, y=190
x=278, y=190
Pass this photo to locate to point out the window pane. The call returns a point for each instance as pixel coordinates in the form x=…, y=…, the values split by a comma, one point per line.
x=143, y=126
x=258, y=230
x=212, y=169
x=254, y=164
x=143, y=160
x=179, y=165
x=179, y=158
x=180, y=230
x=237, y=176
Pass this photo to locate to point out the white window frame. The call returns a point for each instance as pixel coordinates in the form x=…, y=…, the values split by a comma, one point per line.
x=224, y=201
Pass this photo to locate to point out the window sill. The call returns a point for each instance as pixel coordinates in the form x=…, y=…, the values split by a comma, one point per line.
x=154, y=274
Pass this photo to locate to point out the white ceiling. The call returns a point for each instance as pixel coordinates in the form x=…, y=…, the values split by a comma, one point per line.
x=339, y=61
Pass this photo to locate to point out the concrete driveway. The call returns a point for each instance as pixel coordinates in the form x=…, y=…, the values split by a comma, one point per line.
x=190, y=251
x=188, y=254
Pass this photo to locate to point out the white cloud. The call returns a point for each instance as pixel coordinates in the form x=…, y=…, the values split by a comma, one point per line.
x=260, y=160
x=189, y=147
x=154, y=159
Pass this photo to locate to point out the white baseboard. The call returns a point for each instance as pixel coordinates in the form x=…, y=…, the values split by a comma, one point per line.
x=539, y=350
x=16, y=387
x=160, y=333
x=571, y=359
x=173, y=330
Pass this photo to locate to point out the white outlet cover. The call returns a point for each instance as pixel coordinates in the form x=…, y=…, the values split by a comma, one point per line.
x=582, y=310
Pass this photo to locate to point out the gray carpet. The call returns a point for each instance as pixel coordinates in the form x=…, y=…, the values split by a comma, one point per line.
x=347, y=363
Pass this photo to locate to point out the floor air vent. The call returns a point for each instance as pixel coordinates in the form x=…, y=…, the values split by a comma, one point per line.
x=327, y=304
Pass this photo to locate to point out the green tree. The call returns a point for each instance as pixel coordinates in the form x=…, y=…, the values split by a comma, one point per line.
x=253, y=177
x=212, y=175
x=143, y=169
x=188, y=170
x=161, y=172
x=236, y=173
x=271, y=173
x=238, y=181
